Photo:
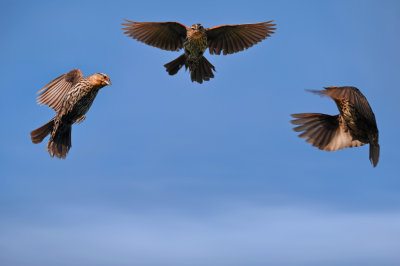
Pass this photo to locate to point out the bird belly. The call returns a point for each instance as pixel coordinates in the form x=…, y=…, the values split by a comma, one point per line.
x=194, y=48
x=80, y=108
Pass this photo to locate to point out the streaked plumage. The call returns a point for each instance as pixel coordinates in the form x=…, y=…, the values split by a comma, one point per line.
x=353, y=127
x=71, y=96
x=173, y=36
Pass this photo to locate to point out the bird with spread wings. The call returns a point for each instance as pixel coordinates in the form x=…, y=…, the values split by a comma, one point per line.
x=173, y=36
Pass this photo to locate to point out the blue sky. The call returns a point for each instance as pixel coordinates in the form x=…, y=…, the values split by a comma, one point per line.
x=168, y=172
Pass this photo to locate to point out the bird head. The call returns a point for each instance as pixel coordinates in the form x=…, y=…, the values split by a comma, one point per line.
x=101, y=79
x=197, y=27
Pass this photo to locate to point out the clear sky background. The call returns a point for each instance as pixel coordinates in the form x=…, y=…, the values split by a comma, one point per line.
x=169, y=172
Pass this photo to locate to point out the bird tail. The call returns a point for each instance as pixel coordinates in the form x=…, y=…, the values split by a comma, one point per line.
x=374, y=150
x=60, y=141
x=198, y=72
x=40, y=133
x=174, y=66
x=203, y=71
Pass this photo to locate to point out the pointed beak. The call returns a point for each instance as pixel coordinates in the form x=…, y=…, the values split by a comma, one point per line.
x=108, y=82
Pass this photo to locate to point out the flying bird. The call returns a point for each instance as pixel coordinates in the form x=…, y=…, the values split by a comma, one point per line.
x=173, y=36
x=71, y=96
x=353, y=127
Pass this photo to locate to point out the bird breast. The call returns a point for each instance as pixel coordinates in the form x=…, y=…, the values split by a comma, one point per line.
x=195, y=44
x=78, y=101
x=83, y=104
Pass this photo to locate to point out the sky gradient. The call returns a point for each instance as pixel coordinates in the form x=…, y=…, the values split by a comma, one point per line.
x=164, y=171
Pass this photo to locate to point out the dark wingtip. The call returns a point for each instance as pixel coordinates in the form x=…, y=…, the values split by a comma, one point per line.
x=374, y=151
x=318, y=92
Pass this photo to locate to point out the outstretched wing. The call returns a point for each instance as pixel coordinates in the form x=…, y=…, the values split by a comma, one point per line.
x=353, y=95
x=164, y=35
x=235, y=38
x=53, y=93
x=326, y=132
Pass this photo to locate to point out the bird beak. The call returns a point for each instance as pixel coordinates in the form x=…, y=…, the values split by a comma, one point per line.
x=108, y=82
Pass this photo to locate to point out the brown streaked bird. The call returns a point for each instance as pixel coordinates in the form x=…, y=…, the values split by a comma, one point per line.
x=353, y=127
x=71, y=96
x=173, y=36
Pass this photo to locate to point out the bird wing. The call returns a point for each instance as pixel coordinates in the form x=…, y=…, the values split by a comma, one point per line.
x=353, y=95
x=164, y=35
x=54, y=92
x=326, y=132
x=235, y=38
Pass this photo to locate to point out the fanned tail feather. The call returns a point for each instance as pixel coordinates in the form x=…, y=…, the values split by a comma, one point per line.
x=174, y=66
x=40, y=133
x=374, y=150
x=60, y=143
x=203, y=71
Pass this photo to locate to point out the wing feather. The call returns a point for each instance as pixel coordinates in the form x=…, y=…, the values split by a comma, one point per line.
x=323, y=131
x=235, y=38
x=164, y=35
x=351, y=94
x=54, y=92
